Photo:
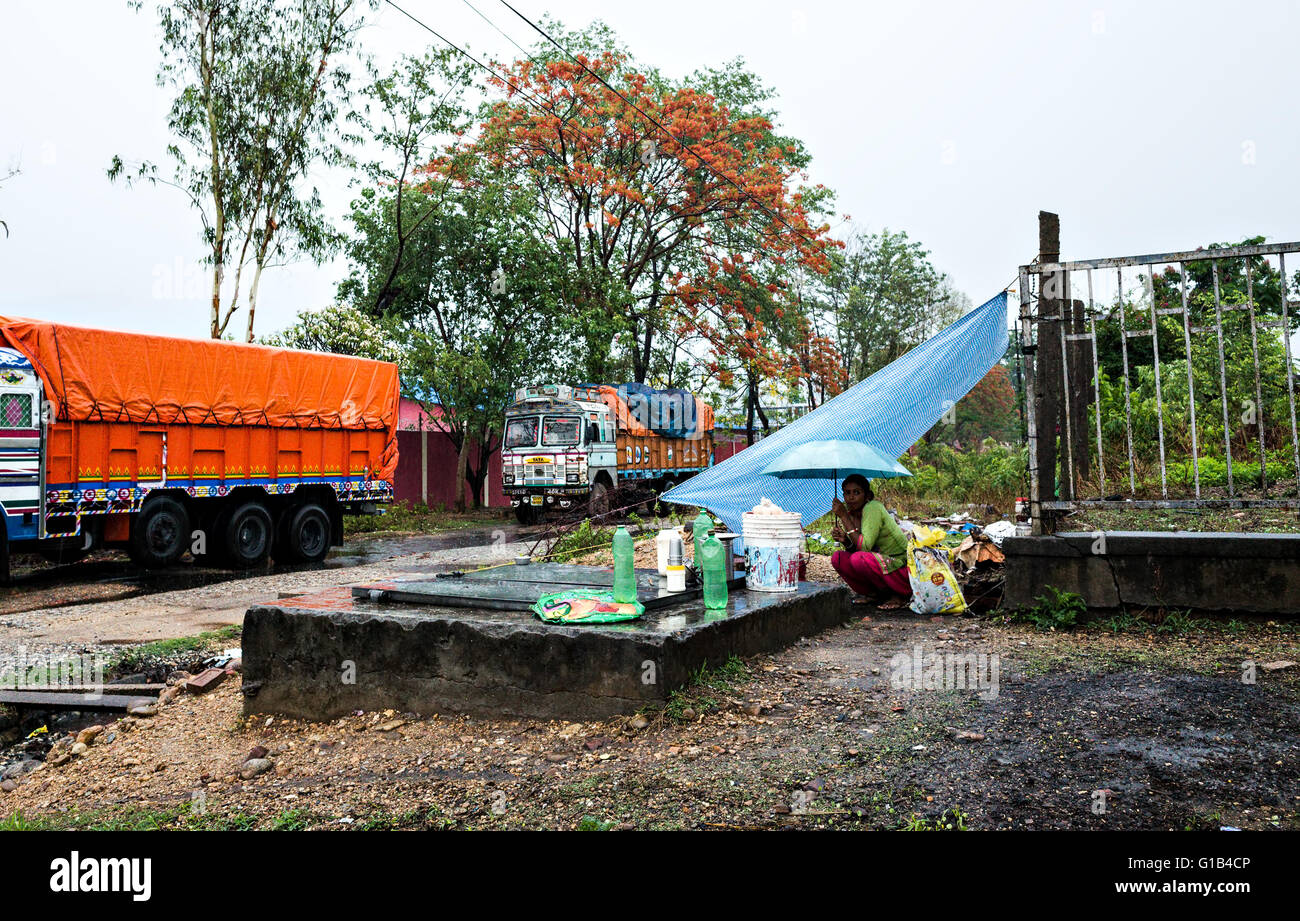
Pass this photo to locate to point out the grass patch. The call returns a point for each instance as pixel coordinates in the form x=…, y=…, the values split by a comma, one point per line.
x=706, y=688
x=168, y=818
x=138, y=656
x=400, y=517
x=1056, y=610
x=952, y=819
x=591, y=823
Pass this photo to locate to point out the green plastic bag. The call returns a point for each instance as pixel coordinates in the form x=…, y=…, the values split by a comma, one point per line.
x=585, y=606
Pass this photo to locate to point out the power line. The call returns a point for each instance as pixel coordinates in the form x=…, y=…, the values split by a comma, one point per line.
x=770, y=213
x=462, y=51
x=499, y=30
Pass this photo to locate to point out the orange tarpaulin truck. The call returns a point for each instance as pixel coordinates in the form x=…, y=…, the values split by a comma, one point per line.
x=161, y=446
x=569, y=446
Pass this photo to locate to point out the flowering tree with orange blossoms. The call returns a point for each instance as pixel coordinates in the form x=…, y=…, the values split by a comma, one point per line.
x=663, y=228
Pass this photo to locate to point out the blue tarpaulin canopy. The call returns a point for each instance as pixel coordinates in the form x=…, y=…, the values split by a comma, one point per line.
x=889, y=410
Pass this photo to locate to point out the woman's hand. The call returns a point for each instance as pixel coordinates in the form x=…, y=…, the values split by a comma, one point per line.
x=837, y=533
x=837, y=508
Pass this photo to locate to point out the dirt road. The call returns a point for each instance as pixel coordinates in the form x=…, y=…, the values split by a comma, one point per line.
x=126, y=606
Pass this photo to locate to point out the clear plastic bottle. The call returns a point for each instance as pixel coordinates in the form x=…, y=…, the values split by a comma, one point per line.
x=700, y=529
x=624, y=571
x=714, y=573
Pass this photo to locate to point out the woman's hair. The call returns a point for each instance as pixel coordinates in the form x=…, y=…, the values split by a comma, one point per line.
x=861, y=482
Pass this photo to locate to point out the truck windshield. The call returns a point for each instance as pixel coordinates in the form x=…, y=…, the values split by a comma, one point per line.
x=522, y=433
x=560, y=430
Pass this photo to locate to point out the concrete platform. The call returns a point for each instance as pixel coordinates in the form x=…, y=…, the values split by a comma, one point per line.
x=324, y=655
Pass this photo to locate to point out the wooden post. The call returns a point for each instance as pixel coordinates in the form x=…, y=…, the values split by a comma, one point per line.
x=1047, y=377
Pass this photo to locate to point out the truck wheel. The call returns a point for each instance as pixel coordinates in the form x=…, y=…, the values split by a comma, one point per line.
x=306, y=536
x=248, y=536
x=524, y=514
x=160, y=534
x=598, y=503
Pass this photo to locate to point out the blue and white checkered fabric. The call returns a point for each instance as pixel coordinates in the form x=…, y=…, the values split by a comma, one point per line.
x=889, y=410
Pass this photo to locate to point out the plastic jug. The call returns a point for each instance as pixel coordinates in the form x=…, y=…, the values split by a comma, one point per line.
x=624, y=563
x=713, y=568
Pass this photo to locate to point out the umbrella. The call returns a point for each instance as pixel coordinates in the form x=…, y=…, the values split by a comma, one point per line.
x=822, y=460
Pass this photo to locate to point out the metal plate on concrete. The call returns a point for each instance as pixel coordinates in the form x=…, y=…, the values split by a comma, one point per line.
x=517, y=588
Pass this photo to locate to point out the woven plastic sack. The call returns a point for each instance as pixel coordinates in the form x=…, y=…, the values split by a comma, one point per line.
x=934, y=587
x=585, y=606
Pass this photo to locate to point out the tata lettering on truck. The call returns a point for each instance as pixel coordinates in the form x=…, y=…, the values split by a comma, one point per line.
x=163, y=446
x=567, y=446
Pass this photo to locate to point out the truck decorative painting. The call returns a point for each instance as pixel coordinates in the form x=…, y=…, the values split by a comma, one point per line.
x=159, y=445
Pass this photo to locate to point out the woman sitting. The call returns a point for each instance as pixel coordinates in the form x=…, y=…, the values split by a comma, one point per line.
x=874, y=560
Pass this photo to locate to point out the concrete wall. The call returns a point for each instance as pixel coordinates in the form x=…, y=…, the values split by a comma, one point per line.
x=1246, y=573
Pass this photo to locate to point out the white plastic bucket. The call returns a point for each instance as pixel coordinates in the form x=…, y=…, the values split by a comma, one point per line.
x=774, y=548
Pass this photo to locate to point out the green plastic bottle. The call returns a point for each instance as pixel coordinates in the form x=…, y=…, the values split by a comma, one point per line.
x=624, y=571
x=700, y=529
x=714, y=571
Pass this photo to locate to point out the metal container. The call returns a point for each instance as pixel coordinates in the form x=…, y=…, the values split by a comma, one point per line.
x=728, y=540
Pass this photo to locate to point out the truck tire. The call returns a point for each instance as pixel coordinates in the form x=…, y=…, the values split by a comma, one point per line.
x=524, y=514
x=306, y=535
x=160, y=534
x=247, y=536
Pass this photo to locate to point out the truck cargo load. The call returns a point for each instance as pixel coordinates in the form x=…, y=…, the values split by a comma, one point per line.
x=111, y=437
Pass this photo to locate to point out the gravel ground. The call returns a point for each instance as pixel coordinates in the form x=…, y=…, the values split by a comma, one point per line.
x=102, y=627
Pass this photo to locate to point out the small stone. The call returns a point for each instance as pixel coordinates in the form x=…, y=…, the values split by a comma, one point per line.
x=753, y=709
x=79, y=748
x=143, y=710
x=107, y=738
x=8, y=786
x=855, y=714
x=168, y=695
x=390, y=725
x=257, y=751
x=160, y=766
x=88, y=735
x=1277, y=666
x=254, y=766
x=688, y=713
x=639, y=722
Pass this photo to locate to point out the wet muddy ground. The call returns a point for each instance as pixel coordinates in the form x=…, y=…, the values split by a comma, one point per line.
x=1093, y=728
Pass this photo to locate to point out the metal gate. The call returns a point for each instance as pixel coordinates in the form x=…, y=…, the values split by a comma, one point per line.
x=1201, y=344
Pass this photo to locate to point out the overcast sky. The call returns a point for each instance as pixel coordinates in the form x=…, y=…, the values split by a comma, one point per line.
x=1148, y=127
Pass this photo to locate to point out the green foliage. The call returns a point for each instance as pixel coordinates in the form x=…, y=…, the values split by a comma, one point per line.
x=1056, y=610
x=591, y=823
x=993, y=475
x=952, y=819
x=580, y=541
x=342, y=330
x=705, y=688
x=262, y=97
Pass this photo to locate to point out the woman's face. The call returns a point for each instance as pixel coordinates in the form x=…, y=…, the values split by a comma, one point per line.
x=854, y=497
